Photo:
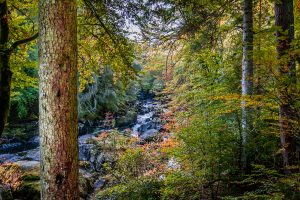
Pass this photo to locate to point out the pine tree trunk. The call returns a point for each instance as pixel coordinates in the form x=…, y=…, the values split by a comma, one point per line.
x=284, y=20
x=247, y=79
x=5, y=72
x=58, y=99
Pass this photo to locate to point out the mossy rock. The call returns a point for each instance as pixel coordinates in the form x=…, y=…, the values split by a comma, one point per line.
x=127, y=120
x=29, y=190
x=84, y=164
x=23, y=181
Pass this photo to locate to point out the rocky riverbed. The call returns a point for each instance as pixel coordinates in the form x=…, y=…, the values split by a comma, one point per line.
x=92, y=156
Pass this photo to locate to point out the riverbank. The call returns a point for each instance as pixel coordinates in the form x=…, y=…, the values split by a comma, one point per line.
x=97, y=150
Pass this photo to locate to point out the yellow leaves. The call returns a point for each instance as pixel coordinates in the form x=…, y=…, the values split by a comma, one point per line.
x=227, y=97
x=233, y=102
x=97, y=52
x=168, y=144
x=11, y=174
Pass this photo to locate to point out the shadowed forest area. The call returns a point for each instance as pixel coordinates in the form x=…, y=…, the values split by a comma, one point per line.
x=149, y=99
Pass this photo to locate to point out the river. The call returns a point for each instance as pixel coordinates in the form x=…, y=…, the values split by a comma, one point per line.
x=147, y=124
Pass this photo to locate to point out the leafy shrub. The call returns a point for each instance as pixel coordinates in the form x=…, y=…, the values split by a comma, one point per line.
x=180, y=185
x=265, y=183
x=130, y=164
x=137, y=189
x=24, y=101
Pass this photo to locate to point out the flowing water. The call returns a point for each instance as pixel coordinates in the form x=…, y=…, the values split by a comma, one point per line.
x=147, y=125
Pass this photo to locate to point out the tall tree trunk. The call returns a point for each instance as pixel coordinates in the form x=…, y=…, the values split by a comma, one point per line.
x=284, y=20
x=58, y=99
x=247, y=79
x=5, y=72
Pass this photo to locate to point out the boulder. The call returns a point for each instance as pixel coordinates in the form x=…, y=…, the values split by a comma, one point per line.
x=9, y=158
x=149, y=135
x=22, y=178
x=85, y=184
x=33, y=154
x=100, y=183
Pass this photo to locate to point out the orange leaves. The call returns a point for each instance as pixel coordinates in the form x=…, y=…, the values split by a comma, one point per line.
x=168, y=143
x=154, y=171
x=170, y=121
x=298, y=5
x=103, y=136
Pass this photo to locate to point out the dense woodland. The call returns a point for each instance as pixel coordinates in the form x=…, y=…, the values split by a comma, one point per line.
x=152, y=99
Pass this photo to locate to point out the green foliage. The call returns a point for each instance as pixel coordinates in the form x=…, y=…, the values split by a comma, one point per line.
x=199, y=64
x=105, y=95
x=20, y=133
x=139, y=189
x=102, y=43
x=207, y=155
x=150, y=83
x=265, y=183
x=131, y=164
x=23, y=103
x=23, y=61
x=109, y=94
x=182, y=185
x=128, y=119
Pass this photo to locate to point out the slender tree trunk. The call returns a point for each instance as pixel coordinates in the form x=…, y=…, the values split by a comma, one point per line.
x=247, y=79
x=5, y=72
x=58, y=99
x=284, y=20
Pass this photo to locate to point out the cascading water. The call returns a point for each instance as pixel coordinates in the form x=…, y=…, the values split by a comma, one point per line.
x=147, y=125
x=148, y=119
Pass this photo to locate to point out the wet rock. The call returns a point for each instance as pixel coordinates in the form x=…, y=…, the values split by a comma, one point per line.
x=33, y=154
x=85, y=151
x=85, y=139
x=28, y=165
x=149, y=135
x=173, y=164
x=9, y=158
x=8, y=146
x=90, y=151
x=35, y=140
x=100, y=183
x=144, y=127
x=85, y=184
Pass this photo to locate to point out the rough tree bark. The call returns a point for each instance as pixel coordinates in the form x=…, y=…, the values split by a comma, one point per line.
x=247, y=79
x=5, y=71
x=58, y=99
x=284, y=20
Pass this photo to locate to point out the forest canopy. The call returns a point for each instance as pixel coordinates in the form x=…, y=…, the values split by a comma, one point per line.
x=152, y=99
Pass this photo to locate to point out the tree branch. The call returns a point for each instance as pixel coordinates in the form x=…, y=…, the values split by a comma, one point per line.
x=23, y=41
